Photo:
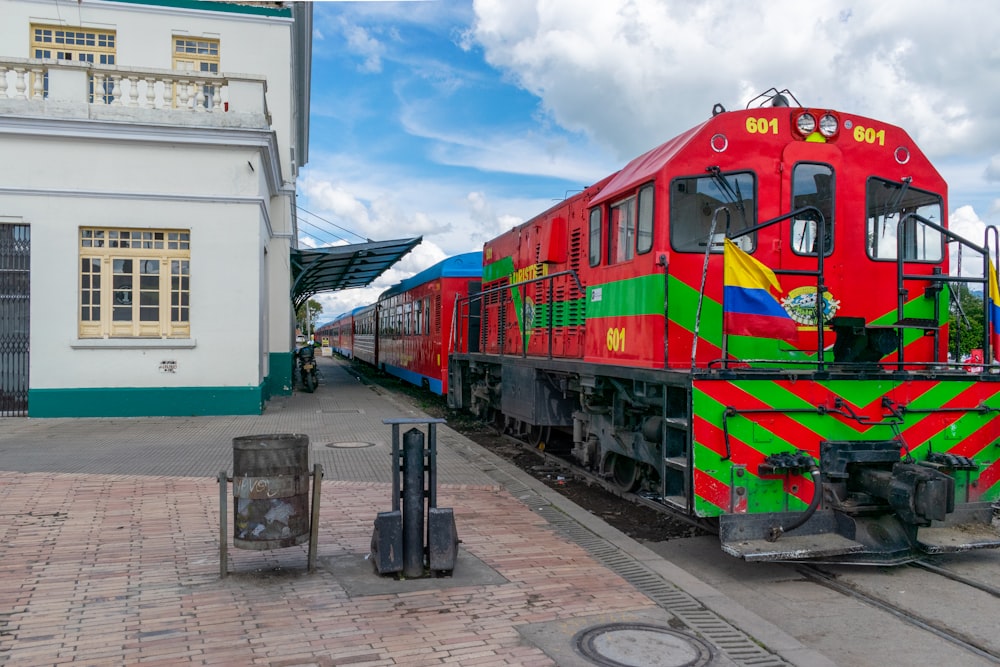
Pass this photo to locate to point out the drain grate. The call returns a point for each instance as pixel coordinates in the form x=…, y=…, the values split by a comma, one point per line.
x=736, y=644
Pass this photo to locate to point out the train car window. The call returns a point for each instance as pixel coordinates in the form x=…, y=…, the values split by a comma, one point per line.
x=595, y=236
x=621, y=234
x=644, y=233
x=695, y=200
x=418, y=325
x=812, y=186
x=427, y=316
x=890, y=202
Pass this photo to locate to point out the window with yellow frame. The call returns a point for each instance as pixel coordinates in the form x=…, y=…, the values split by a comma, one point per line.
x=135, y=283
x=197, y=54
x=87, y=45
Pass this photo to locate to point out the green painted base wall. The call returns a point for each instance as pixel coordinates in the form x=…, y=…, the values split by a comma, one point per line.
x=146, y=402
x=165, y=401
x=280, y=381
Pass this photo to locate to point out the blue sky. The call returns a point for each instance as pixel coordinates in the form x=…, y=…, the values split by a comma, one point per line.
x=457, y=119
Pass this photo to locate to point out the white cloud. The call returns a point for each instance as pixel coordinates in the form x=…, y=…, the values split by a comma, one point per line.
x=503, y=151
x=967, y=224
x=365, y=46
x=382, y=202
x=992, y=173
x=614, y=78
x=632, y=74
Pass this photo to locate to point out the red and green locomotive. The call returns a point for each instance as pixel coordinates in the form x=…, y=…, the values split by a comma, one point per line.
x=750, y=323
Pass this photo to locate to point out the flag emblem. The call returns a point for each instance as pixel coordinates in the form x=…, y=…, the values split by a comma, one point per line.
x=749, y=307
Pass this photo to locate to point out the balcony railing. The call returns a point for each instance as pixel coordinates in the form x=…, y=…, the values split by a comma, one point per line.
x=110, y=92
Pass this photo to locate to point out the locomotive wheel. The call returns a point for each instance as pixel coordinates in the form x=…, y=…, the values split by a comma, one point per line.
x=499, y=420
x=538, y=436
x=624, y=472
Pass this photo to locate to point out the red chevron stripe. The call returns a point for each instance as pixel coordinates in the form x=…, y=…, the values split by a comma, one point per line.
x=934, y=423
x=977, y=441
x=712, y=490
x=783, y=425
x=818, y=394
x=681, y=339
x=987, y=479
x=712, y=437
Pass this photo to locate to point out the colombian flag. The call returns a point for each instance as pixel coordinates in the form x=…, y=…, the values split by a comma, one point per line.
x=994, y=314
x=749, y=307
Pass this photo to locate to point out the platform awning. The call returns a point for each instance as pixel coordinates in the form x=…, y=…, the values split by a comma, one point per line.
x=316, y=270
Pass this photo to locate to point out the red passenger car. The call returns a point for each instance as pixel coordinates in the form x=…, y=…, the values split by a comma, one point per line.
x=363, y=340
x=415, y=320
x=339, y=333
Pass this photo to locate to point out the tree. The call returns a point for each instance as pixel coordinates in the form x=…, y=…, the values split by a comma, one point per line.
x=307, y=314
x=965, y=320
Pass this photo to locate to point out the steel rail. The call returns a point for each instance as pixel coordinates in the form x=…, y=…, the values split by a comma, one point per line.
x=818, y=576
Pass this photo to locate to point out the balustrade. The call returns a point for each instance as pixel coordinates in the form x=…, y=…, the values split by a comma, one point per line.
x=131, y=88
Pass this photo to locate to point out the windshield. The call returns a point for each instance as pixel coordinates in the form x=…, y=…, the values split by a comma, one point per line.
x=694, y=200
x=891, y=201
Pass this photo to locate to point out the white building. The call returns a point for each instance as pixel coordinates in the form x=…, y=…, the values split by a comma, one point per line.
x=148, y=157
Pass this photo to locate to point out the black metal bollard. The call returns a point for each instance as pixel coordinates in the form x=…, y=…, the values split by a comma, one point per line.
x=398, y=539
x=413, y=503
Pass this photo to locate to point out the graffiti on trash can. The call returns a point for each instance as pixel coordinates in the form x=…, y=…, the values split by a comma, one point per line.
x=254, y=487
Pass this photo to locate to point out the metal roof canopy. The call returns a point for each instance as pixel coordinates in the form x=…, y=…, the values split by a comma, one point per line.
x=316, y=270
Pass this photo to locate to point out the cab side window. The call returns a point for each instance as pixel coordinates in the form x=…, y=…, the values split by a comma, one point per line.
x=594, y=242
x=644, y=235
x=621, y=237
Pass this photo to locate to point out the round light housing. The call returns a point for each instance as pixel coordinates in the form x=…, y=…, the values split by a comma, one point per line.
x=828, y=125
x=805, y=124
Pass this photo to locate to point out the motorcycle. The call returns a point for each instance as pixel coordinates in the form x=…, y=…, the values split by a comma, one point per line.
x=307, y=368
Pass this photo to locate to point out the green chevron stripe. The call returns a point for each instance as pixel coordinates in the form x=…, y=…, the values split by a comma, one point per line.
x=503, y=268
x=626, y=298
x=498, y=269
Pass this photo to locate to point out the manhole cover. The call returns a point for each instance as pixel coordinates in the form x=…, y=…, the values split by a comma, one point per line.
x=349, y=445
x=641, y=645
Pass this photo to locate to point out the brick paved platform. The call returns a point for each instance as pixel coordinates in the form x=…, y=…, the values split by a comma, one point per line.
x=109, y=554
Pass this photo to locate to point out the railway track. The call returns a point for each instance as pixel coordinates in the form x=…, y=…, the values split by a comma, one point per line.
x=609, y=487
x=941, y=629
x=935, y=626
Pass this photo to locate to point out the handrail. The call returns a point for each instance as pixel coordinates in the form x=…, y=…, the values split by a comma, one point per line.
x=481, y=296
x=819, y=273
x=937, y=277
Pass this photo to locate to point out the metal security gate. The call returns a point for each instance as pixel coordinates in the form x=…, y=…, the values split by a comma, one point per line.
x=15, y=280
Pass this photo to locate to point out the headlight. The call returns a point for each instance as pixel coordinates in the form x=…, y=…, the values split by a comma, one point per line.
x=806, y=124
x=829, y=125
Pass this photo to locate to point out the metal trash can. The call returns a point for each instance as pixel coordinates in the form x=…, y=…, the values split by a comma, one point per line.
x=270, y=491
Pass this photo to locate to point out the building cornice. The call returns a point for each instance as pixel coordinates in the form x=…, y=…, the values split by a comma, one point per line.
x=108, y=131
